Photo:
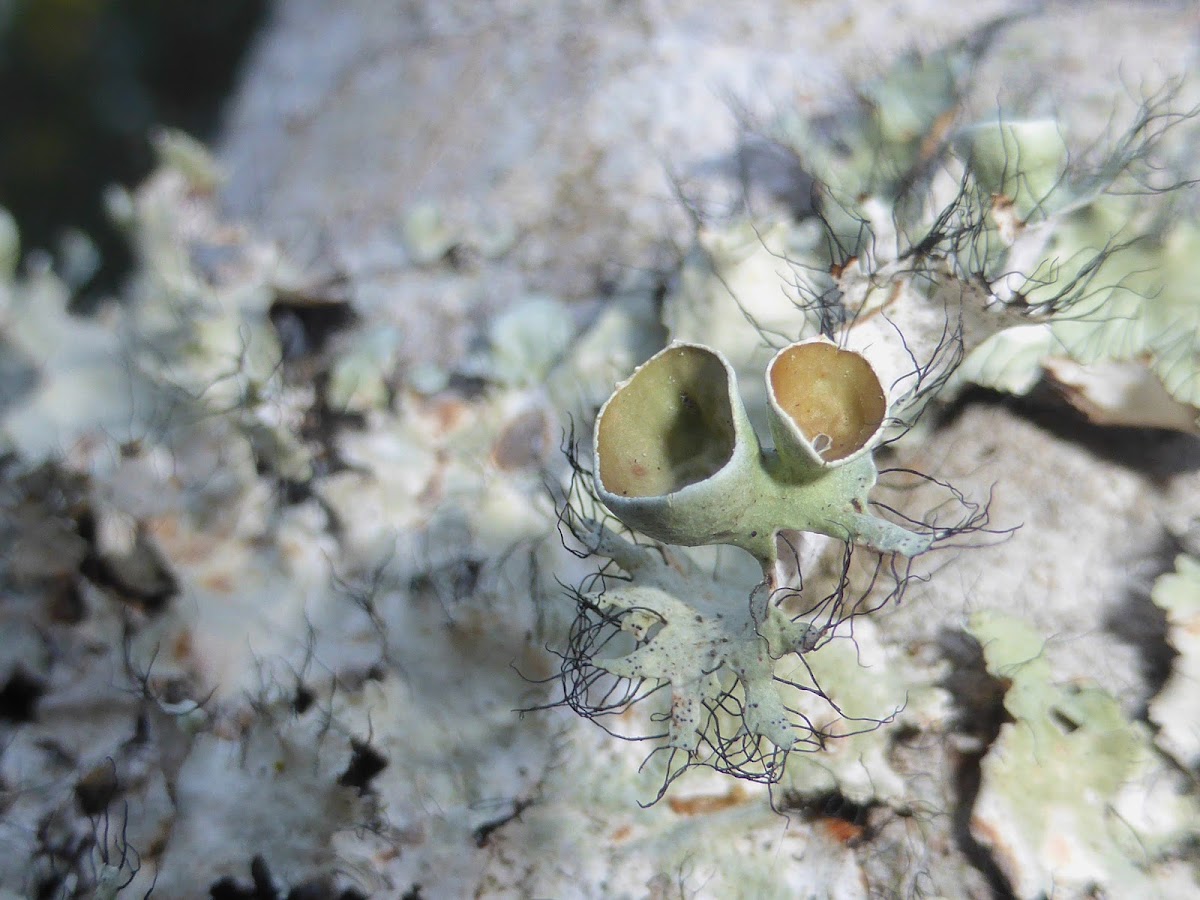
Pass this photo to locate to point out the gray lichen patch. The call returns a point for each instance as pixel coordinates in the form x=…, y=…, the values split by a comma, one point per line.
x=705, y=642
x=1069, y=784
x=739, y=678
x=1176, y=710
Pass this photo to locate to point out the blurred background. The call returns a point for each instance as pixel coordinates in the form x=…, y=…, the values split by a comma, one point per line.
x=82, y=83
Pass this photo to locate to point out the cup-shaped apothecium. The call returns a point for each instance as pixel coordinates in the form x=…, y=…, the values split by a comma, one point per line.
x=670, y=425
x=827, y=406
x=673, y=445
x=677, y=458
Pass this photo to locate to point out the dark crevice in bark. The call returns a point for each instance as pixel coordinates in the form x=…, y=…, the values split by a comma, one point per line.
x=1157, y=453
x=1134, y=619
x=979, y=713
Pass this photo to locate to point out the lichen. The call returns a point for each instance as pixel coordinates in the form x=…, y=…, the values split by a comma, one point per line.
x=1074, y=796
x=1176, y=710
x=1093, y=257
x=289, y=603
